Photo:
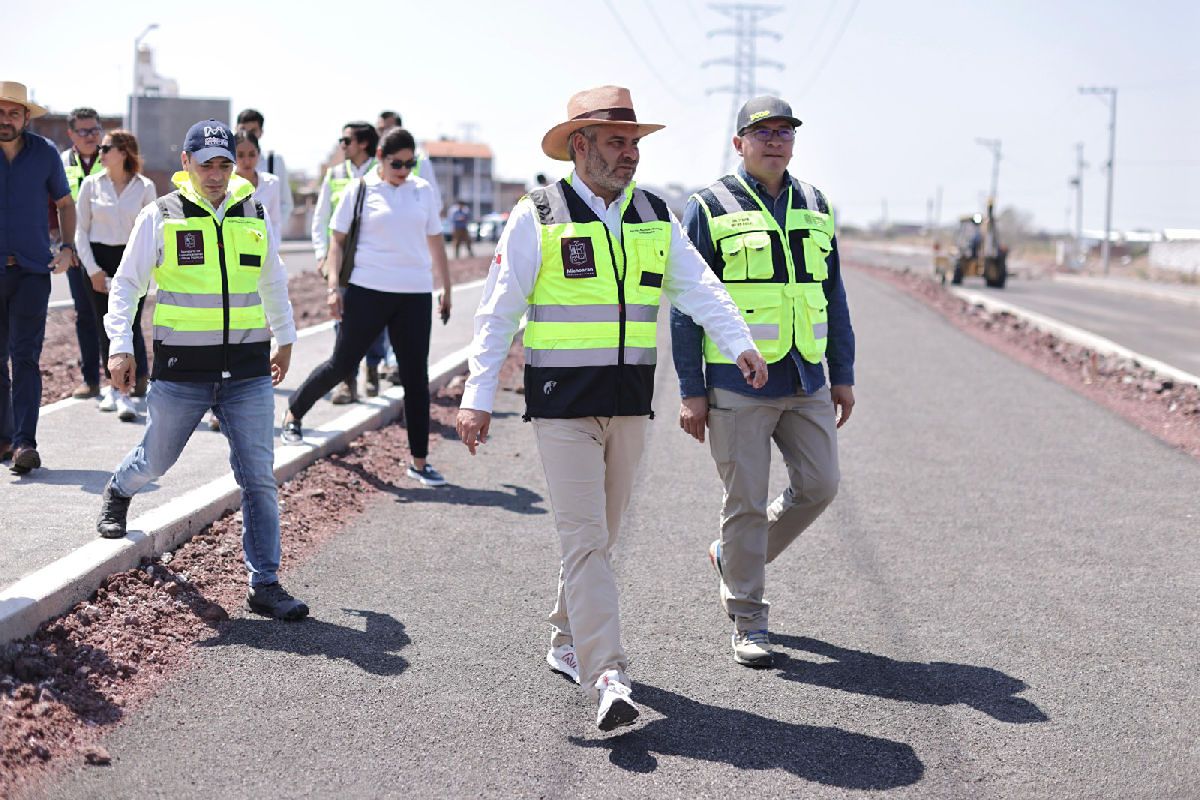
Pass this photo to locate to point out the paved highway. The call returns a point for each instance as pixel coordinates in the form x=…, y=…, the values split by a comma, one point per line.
x=1001, y=603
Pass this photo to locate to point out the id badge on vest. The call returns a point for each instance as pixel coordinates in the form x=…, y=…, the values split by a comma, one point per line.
x=578, y=257
x=189, y=245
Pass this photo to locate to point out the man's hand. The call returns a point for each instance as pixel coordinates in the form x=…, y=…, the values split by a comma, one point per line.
x=472, y=426
x=280, y=363
x=121, y=368
x=99, y=282
x=843, y=402
x=693, y=416
x=334, y=300
x=63, y=260
x=754, y=369
x=444, y=305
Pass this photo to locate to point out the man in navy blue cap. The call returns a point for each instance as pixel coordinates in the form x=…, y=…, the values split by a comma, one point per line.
x=222, y=293
x=770, y=237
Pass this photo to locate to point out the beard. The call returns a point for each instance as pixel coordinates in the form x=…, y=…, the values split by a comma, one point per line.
x=9, y=132
x=605, y=174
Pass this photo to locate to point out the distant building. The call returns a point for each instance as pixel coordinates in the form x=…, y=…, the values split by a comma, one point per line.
x=464, y=172
x=161, y=123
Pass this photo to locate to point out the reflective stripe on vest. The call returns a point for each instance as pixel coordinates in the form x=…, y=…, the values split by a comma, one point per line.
x=340, y=176
x=75, y=173
x=774, y=275
x=208, y=278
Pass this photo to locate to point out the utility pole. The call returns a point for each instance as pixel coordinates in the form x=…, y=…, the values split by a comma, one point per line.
x=744, y=60
x=1109, y=94
x=138, y=89
x=1077, y=184
x=994, y=146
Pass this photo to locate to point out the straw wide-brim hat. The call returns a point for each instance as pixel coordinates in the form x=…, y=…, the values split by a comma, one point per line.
x=15, y=92
x=604, y=105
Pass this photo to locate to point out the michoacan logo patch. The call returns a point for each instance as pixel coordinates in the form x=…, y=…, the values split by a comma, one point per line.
x=189, y=248
x=578, y=257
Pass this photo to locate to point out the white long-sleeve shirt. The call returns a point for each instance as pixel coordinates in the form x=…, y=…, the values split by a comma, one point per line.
x=285, y=188
x=268, y=193
x=105, y=217
x=687, y=282
x=144, y=252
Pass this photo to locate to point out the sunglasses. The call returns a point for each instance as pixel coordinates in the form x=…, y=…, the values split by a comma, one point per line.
x=398, y=164
x=104, y=148
x=345, y=141
x=765, y=135
x=89, y=132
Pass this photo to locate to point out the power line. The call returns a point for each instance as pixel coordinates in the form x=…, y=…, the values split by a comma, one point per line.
x=745, y=60
x=666, y=35
x=837, y=39
x=637, y=49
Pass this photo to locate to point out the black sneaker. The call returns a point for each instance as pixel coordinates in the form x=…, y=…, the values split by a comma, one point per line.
x=289, y=430
x=426, y=475
x=113, y=513
x=372, y=381
x=272, y=600
x=25, y=459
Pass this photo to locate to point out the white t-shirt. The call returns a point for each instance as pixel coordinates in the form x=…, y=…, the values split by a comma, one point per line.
x=393, y=241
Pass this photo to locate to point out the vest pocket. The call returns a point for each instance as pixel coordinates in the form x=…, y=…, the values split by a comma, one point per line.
x=651, y=262
x=250, y=245
x=733, y=257
x=812, y=325
x=747, y=256
x=817, y=247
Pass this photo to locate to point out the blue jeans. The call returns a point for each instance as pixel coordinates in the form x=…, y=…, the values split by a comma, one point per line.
x=85, y=328
x=24, y=297
x=246, y=409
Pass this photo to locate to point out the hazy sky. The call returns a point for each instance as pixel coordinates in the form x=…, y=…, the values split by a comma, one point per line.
x=893, y=94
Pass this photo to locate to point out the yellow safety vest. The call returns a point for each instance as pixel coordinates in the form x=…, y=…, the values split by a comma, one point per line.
x=774, y=275
x=75, y=173
x=339, y=176
x=590, y=342
x=209, y=321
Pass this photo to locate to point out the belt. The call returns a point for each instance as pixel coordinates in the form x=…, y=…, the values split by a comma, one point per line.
x=11, y=262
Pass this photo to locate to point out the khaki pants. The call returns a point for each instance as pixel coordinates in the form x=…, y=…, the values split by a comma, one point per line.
x=590, y=464
x=740, y=429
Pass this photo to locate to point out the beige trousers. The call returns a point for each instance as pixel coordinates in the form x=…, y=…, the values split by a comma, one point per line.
x=590, y=465
x=740, y=429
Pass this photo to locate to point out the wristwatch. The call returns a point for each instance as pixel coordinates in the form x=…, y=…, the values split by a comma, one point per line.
x=68, y=246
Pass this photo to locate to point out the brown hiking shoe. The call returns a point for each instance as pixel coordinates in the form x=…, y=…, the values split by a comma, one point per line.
x=345, y=393
x=85, y=391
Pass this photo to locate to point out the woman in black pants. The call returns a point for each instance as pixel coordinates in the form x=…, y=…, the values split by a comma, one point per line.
x=391, y=288
x=109, y=202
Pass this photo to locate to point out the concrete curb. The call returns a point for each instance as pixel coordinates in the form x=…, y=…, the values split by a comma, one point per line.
x=55, y=588
x=1076, y=335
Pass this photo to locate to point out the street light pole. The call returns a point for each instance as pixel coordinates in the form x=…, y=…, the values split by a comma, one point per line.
x=1109, y=94
x=137, y=84
x=994, y=146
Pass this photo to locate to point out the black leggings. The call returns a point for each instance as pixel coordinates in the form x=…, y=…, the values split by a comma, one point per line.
x=365, y=314
x=108, y=258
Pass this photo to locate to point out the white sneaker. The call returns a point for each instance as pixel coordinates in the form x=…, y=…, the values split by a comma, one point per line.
x=615, y=709
x=108, y=399
x=562, y=660
x=752, y=648
x=126, y=411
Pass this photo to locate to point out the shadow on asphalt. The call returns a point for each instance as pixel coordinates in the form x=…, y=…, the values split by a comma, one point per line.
x=689, y=729
x=372, y=650
x=517, y=499
x=88, y=480
x=937, y=683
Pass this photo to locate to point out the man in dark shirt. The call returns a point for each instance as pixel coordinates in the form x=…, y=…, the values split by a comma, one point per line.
x=31, y=175
x=769, y=237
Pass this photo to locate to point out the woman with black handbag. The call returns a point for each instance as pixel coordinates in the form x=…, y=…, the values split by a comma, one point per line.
x=387, y=239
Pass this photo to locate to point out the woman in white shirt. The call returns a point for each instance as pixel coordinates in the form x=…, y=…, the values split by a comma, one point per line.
x=266, y=185
x=108, y=203
x=390, y=288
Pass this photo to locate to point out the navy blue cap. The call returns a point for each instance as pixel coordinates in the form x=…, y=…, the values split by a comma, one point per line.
x=210, y=139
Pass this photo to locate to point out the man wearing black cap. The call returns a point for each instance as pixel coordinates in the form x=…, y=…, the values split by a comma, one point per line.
x=770, y=238
x=222, y=293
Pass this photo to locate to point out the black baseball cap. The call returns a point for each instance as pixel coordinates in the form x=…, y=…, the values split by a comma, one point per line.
x=209, y=139
x=764, y=108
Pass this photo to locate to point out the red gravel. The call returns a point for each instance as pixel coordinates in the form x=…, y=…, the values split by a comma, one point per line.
x=60, y=352
x=1159, y=406
x=65, y=686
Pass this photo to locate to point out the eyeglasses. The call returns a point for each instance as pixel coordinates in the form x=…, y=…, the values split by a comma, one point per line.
x=104, y=148
x=398, y=164
x=765, y=135
x=345, y=141
x=89, y=132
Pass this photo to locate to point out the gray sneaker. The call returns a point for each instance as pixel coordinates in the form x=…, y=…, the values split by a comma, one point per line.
x=426, y=475
x=752, y=648
x=272, y=600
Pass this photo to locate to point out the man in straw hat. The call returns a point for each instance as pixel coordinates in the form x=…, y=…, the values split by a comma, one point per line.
x=32, y=175
x=770, y=237
x=588, y=257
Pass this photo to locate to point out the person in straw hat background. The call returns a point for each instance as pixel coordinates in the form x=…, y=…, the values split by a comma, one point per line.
x=32, y=175
x=588, y=258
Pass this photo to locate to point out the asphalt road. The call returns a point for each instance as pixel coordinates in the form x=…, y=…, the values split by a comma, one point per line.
x=1166, y=330
x=1002, y=602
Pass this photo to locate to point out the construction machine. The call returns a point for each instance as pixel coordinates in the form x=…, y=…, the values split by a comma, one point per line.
x=978, y=252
